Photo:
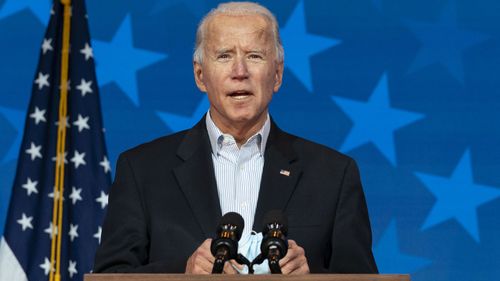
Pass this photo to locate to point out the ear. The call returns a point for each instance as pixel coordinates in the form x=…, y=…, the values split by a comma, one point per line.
x=198, y=76
x=278, y=77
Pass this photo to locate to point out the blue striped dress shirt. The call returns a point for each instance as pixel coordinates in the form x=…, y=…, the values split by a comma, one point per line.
x=238, y=172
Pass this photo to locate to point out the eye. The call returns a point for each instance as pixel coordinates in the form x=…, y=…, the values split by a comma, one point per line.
x=255, y=56
x=223, y=56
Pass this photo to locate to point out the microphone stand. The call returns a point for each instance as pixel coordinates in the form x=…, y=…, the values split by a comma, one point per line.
x=221, y=259
x=258, y=260
x=241, y=259
x=273, y=261
x=218, y=266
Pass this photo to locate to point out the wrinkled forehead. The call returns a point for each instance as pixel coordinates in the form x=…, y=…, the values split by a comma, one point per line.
x=228, y=29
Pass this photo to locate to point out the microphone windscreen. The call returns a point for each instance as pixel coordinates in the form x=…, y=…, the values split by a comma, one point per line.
x=234, y=219
x=275, y=217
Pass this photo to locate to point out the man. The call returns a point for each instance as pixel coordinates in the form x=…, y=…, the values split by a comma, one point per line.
x=169, y=194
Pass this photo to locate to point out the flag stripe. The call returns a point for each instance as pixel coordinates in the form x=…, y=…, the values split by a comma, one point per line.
x=10, y=269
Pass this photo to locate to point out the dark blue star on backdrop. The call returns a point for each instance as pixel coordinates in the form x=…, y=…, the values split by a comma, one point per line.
x=300, y=45
x=178, y=123
x=375, y=121
x=40, y=8
x=458, y=197
x=444, y=42
x=121, y=52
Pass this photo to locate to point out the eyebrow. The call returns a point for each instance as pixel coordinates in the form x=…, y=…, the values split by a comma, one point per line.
x=259, y=51
x=224, y=50
x=231, y=50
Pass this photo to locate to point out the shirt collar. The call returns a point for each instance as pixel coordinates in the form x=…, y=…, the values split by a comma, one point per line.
x=215, y=134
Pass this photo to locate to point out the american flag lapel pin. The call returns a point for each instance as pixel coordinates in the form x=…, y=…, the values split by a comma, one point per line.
x=285, y=173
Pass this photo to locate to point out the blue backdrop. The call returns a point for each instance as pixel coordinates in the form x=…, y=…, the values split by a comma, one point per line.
x=409, y=88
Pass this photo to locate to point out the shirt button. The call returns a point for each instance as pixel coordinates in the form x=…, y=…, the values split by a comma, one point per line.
x=244, y=205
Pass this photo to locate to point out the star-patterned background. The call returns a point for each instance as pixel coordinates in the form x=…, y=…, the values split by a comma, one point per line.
x=410, y=89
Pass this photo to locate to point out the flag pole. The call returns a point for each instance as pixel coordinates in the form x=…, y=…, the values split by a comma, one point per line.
x=57, y=213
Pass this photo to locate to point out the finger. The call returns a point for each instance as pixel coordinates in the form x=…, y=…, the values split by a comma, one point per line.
x=206, y=243
x=197, y=264
x=237, y=265
x=303, y=269
x=229, y=269
x=295, y=261
x=297, y=266
x=205, y=258
x=201, y=261
x=290, y=265
x=202, y=266
x=291, y=253
x=204, y=250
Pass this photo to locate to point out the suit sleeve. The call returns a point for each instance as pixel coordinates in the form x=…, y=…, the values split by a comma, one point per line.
x=352, y=237
x=125, y=236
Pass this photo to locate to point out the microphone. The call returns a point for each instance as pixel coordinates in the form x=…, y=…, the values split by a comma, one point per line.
x=274, y=244
x=225, y=245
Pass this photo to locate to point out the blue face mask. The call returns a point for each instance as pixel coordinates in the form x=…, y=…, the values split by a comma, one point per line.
x=250, y=248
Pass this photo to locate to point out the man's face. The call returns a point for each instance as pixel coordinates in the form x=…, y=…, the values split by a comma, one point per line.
x=239, y=71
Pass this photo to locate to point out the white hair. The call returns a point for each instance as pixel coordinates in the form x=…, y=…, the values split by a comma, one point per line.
x=238, y=9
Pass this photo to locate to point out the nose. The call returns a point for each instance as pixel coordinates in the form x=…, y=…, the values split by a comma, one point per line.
x=240, y=69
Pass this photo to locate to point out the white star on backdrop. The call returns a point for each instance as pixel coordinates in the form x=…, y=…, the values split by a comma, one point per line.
x=30, y=186
x=84, y=87
x=87, y=51
x=46, y=266
x=51, y=230
x=42, y=80
x=78, y=159
x=68, y=85
x=75, y=195
x=65, y=122
x=60, y=157
x=72, y=268
x=103, y=199
x=47, y=45
x=38, y=115
x=34, y=151
x=82, y=123
x=51, y=195
x=97, y=235
x=105, y=164
x=73, y=231
x=25, y=222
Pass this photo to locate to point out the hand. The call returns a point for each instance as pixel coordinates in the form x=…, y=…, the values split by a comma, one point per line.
x=295, y=261
x=202, y=261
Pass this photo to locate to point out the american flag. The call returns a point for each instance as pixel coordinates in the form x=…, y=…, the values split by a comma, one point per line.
x=25, y=248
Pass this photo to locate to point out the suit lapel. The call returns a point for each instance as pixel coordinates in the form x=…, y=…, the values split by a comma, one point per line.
x=281, y=173
x=196, y=178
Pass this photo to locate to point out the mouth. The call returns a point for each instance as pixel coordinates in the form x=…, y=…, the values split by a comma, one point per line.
x=240, y=94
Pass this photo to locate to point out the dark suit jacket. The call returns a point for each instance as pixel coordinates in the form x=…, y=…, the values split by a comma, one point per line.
x=164, y=203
